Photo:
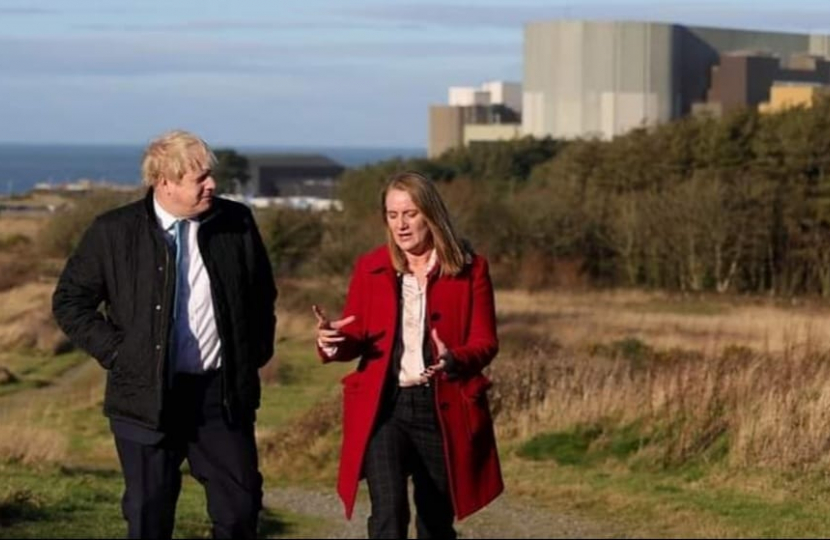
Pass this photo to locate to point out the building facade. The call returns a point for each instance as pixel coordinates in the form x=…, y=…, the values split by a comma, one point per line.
x=292, y=175
x=496, y=103
x=601, y=79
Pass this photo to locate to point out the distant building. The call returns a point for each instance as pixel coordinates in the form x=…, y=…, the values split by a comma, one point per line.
x=784, y=95
x=746, y=79
x=292, y=175
x=490, y=112
x=603, y=78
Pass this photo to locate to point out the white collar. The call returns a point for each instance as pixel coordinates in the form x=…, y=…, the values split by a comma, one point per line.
x=165, y=218
x=433, y=258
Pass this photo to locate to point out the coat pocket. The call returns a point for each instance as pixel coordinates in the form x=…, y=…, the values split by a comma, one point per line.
x=476, y=407
x=351, y=382
x=353, y=404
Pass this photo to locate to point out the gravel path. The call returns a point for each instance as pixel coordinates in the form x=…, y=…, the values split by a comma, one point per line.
x=504, y=518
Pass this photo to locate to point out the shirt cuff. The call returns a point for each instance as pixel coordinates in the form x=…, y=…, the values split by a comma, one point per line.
x=328, y=350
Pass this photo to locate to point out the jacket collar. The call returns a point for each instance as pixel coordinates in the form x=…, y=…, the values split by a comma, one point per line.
x=379, y=261
x=214, y=210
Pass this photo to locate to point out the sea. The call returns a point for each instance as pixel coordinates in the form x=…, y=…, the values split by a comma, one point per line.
x=24, y=165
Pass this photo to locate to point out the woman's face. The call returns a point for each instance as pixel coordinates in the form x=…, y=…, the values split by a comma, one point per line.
x=406, y=222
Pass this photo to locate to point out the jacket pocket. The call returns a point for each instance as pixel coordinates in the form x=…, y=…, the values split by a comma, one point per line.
x=112, y=358
x=353, y=404
x=476, y=407
x=351, y=382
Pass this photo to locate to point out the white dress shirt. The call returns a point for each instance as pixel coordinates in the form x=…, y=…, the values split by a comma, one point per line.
x=413, y=321
x=197, y=347
x=413, y=327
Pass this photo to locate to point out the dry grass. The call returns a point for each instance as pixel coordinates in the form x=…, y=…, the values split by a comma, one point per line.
x=37, y=425
x=26, y=320
x=770, y=403
x=749, y=375
x=32, y=445
x=26, y=226
x=663, y=320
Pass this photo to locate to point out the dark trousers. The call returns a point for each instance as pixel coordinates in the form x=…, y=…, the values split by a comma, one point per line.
x=222, y=458
x=407, y=442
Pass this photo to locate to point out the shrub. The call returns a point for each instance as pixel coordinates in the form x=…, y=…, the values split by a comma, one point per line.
x=292, y=238
x=63, y=232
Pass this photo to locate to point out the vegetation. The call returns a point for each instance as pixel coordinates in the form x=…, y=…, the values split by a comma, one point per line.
x=739, y=204
x=667, y=400
x=230, y=171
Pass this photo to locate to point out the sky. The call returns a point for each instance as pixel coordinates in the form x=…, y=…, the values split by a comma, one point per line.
x=356, y=73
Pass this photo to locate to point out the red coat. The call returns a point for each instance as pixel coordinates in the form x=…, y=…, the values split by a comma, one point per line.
x=462, y=309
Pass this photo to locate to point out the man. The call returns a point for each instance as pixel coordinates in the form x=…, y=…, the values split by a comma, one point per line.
x=187, y=320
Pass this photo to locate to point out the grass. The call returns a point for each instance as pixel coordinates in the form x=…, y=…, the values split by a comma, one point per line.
x=663, y=320
x=35, y=369
x=689, y=502
x=299, y=380
x=611, y=473
x=668, y=419
x=85, y=503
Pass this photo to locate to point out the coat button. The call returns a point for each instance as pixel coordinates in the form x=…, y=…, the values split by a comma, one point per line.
x=158, y=347
x=161, y=269
x=158, y=307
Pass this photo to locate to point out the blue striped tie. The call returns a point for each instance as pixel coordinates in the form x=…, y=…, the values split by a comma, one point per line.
x=179, y=238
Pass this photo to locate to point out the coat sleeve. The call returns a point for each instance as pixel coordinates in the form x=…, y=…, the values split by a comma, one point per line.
x=352, y=346
x=79, y=293
x=264, y=296
x=482, y=342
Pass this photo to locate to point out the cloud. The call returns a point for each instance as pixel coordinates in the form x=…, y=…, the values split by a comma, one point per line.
x=220, y=25
x=12, y=11
x=800, y=19
x=139, y=57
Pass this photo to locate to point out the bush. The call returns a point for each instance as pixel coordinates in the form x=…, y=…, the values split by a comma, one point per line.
x=292, y=238
x=63, y=232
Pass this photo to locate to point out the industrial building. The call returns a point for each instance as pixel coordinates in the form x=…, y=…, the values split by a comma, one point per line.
x=292, y=175
x=492, y=111
x=601, y=79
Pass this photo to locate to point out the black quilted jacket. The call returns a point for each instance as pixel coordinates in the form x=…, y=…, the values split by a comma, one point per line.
x=114, y=300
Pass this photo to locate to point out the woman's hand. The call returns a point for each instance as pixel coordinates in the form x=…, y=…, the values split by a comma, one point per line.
x=328, y=332
x=441, y=349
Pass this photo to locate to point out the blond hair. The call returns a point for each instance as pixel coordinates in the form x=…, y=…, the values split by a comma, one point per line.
x=173, y=154
x=448, y=248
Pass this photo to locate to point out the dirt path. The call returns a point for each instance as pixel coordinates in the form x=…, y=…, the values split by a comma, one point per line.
x=504, y=518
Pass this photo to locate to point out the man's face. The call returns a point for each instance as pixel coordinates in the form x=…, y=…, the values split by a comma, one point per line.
x=189, y=197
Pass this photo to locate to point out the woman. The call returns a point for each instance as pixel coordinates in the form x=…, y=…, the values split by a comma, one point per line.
x=420, y=317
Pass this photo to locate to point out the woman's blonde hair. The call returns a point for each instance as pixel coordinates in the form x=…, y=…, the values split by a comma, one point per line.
x=448, y=248
x=172, y=155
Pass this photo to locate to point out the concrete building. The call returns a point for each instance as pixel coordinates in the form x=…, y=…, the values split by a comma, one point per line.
x=446, y=129
x=467, y=96
x=292, y=175
x=603, y=78
x=479, y=133
x=784, y=95
x=494, y=103
x=745, y=78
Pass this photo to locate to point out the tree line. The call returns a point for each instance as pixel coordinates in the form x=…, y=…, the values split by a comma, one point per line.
x=739, y=204
x=736, y=204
